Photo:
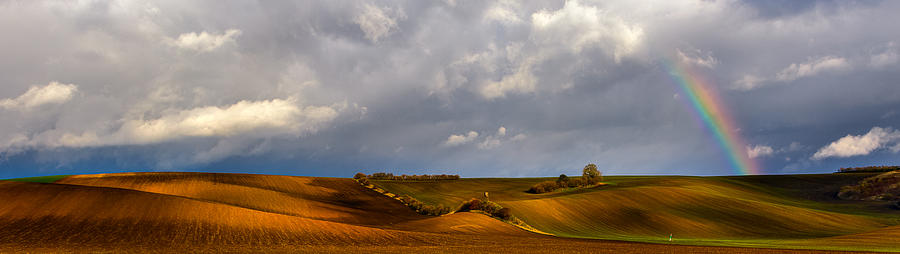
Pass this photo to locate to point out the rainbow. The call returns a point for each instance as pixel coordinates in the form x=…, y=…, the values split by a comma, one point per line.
x=703, y=99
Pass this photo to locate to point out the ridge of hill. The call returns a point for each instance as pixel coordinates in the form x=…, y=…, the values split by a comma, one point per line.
x=209, y=212
x=773, y=211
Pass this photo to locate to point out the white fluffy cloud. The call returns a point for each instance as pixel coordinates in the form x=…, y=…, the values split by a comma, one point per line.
x=485, y=143
x=204, y=42
x=794, y=71
x=503, y=12
x=585, y=26
x=493, y=141
x=759, y=151
x=852, y=145
x=245, y=118
x=812, y=67
x=455, y=140
x=36, y=96
x=377, y=22
x=522, y=81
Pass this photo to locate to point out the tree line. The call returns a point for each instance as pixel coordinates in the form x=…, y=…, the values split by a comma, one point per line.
x=590, y=176
x=413, y=203
x=404, y=177
x=488, y=207
x=884, y=187
x=869, y=169
x=423, y=208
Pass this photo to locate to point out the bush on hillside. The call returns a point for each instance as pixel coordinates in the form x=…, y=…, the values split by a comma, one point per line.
x=575, y=182
x=504, y=213
x=472, y=204
x=885, y=186
x=544, y=187
x=590, y=176
x=563, y=179
x=491, y=208
x=422, y=208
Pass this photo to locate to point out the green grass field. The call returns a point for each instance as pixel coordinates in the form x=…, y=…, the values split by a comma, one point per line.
x=774, y=211
x=38, y=179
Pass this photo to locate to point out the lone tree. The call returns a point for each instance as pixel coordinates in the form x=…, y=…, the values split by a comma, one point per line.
x=591, y=175
x=563, y=178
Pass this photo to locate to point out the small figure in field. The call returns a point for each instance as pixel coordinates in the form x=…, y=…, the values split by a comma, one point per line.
x=486, y=195
x=670, y=237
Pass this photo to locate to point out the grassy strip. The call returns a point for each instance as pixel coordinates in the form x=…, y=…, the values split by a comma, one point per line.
x=408, y=201
x=417, y=205
x=798, y=244
x=496, y=211
x=38, y=179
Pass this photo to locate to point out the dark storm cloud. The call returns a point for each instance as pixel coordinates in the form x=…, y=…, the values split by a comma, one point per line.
x=480, y=88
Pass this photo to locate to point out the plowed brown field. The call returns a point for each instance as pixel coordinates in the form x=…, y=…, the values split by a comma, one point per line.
x=205, y=212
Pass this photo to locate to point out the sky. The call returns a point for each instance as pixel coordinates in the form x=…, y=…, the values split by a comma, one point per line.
x=476, y=88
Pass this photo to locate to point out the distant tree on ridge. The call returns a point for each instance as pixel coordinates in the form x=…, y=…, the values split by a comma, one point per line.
x=591, y=175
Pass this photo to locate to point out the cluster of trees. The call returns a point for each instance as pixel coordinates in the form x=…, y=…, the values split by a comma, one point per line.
x=362, y=178
x=589, y=176
x=869, y=169
x=885, y=186
x=391, y=176
x=488, y=207
x=424, y=209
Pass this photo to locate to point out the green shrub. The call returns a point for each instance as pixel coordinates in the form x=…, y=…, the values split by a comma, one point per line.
x=575, y=182
x=426, y=209
x=422, y=208
x=544, y=187
x=563, y=178
x=504, y=213
x=488, y=207
x=472, y=204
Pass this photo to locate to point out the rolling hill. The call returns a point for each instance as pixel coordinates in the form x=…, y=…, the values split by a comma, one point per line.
x=191, y=212
x=794, y=211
